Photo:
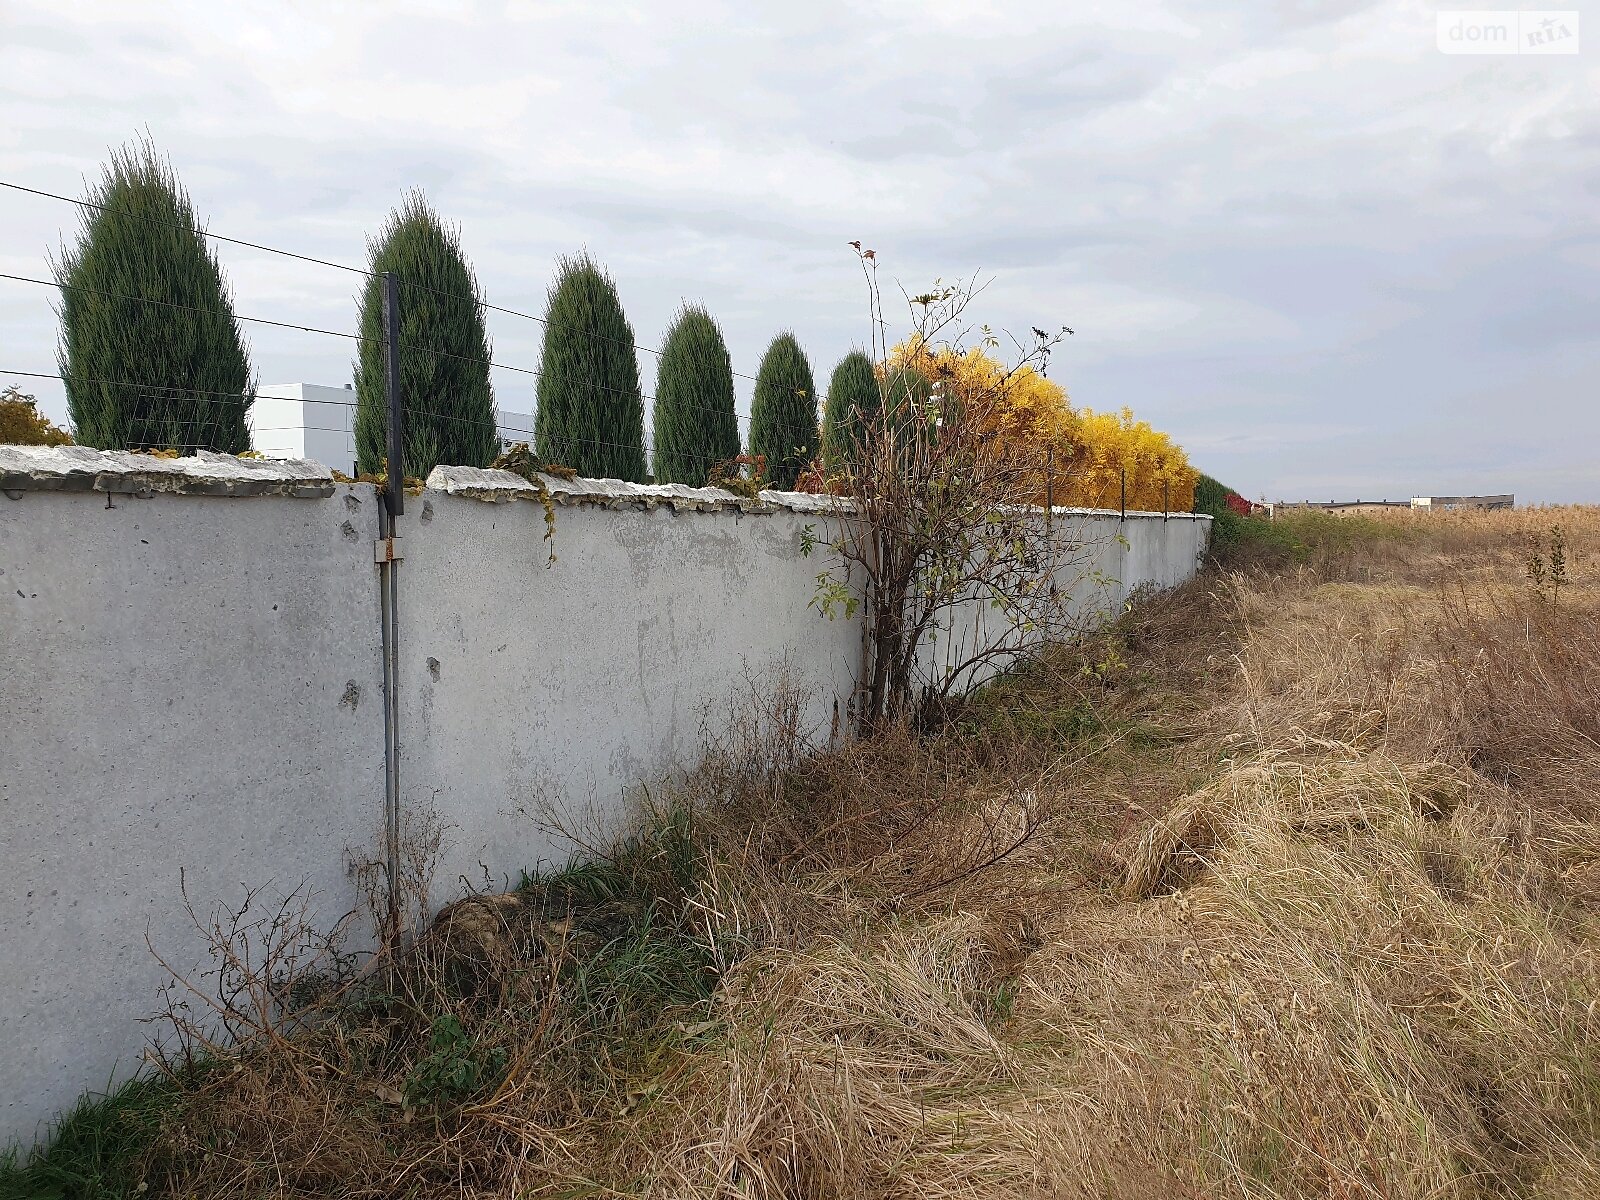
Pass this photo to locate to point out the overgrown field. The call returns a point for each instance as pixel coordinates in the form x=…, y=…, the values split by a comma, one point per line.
x=1285, y=886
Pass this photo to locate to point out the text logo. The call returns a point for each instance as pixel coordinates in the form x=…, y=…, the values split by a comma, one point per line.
x=1507, y=31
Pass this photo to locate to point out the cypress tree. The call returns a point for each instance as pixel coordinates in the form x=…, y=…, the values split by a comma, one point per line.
x=1211, y=496
x=694, y=423
x=783, y=414
x=150, y=350
x=444, y=348
x=591, y=412
x=853, y=400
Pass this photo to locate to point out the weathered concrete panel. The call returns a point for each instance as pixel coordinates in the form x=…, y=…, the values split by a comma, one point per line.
x=186, y=685
x=527, y=683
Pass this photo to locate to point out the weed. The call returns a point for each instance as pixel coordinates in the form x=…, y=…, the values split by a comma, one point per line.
x=1546, y=565
x=455, y=1067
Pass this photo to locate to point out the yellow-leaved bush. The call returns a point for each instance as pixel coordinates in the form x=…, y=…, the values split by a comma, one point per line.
x=22, y=424
x=1087, y=459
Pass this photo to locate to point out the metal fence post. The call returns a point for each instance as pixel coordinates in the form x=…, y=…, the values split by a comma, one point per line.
x=1049, y=488
x=394, y=500
x=1124, y=493
x=394, y=485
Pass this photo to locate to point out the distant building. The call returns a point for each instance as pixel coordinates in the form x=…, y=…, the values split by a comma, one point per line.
x=1450, y=502
x=306, y=420
x=1340, y=508
x=310, y=420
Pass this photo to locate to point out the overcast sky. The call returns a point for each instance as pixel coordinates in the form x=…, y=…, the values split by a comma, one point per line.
x=1329, y=259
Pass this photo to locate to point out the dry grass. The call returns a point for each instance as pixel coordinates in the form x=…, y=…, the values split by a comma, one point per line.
x=1285, y=887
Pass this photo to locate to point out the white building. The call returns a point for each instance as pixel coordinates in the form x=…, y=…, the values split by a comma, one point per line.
x=1454, y=502
x=306, y=420
x=310, y=420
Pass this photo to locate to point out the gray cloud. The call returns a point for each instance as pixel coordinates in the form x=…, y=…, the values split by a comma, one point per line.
x=1329, y=259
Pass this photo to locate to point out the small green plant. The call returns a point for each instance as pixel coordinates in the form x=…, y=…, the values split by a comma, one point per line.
x=454, y=1069
x=95, y=1151
x=1109, y=663
x=834, y=597
x=646, y=966
x=1002, y=1002
x=520, y=460
x=1546, y=566
x=743, y=475
x=808, y=540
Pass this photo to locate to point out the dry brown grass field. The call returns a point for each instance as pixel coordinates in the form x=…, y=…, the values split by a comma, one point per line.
x=1286, y=886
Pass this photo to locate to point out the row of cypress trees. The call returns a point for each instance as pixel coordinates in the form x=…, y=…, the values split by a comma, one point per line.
x=152, y=354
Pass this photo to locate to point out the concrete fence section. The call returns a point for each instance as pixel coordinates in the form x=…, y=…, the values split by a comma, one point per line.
x=191, y=695
x=525, y=684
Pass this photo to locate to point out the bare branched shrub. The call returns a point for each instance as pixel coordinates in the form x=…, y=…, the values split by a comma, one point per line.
x=753, y=735
x=422, y=839
x=941, y=543
x=270, y=962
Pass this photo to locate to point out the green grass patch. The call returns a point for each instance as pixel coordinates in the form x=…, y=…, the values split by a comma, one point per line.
x=95, y=1151
x=1294, y=537
x=639, y=969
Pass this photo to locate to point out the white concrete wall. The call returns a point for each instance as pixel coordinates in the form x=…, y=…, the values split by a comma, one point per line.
x=193, y=684
x=313, y=421
x=189, y=685
x=514, y=427
x=526, y=684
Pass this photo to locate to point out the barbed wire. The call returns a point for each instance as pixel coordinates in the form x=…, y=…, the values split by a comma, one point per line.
x=545, y=321
x=203, y=232
x=215, y=312
x=323, y=262
x=476, y=299
x=507, y=433
x=354, y=337
x=205, y=396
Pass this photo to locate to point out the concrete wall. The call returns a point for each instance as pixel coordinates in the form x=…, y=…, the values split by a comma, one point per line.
x=192, y=688
x=190, y=685
x=526, y=684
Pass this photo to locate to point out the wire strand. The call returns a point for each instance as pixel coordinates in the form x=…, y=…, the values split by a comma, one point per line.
x=216, y=237
x=354, y=337
x=410, y=412
x=547, y=323
x=216, y=312
x=647, y=445
x=323, y=262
